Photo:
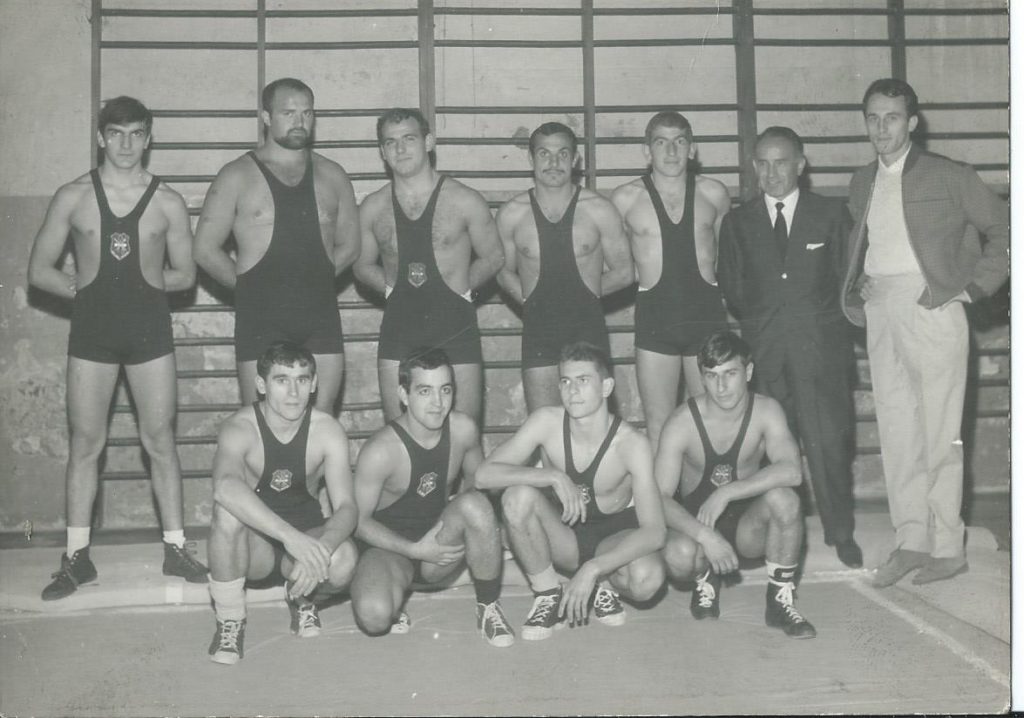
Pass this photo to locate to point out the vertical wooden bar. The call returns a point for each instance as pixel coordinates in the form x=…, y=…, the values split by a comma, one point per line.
x=898, y=38
x=261, y=63
x=95, y=95
x=589, y=102
x=746, y=93
x=428, y=92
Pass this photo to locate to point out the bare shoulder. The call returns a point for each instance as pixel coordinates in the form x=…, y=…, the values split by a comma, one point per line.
x=627, y=194
x=376, y=200
x=631, y=441
x=169, y=199
x=71, y=193
x=328, y=168
x=712, y=189
x=463, y=429
x=464, y=196
x=380, y=450
x=239, y=430
x=325, y=427
x=679, y=423
x=767, y=411
x=596, y=204
x=546, y=418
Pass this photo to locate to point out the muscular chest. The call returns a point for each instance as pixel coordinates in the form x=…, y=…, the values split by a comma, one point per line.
x=448, y=234
x=586, y=239
x=257, y=207
x=86, y=227
x=257, y=462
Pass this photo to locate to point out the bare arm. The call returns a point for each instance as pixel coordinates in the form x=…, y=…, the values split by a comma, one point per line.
x=483, y=236
x=180, y=272
x=215, y=225
x=504, y=467
x=730, y=265
x=49, y=246
x=719, y=197
x=338, y=480
x=468, y=435
x=367, y=267
x=233, y=492
x=623, y=198
x=508, y=277
x=618, y=259
x=347, y=241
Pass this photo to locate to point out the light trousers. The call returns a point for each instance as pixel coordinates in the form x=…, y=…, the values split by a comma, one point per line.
x=918, y=361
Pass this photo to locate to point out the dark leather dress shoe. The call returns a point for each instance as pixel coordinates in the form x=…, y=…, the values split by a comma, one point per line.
x=849, y=553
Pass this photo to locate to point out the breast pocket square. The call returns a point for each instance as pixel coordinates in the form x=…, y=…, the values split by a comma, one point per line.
x=815, y=246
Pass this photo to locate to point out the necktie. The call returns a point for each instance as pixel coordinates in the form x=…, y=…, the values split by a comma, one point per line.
x=781, y=232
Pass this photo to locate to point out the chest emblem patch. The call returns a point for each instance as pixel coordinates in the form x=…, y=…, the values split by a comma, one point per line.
x=120, y=247
x=428, y=482
x=281, y=480
x=722, y=475
x=417, y=274
x=584, y=492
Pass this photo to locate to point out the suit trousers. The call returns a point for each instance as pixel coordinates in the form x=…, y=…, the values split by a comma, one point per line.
x=818, y=406
x=918, y=361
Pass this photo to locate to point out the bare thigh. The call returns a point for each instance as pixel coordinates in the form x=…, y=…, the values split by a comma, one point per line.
x=565, y=551
x=247, y=382
x=752, y=529
x=90, y=389
x=692, y=377
x=330, y=373
x=387, y=379
x=155, y=392
x=469, y=382
x=540, y=387
x=658, y=379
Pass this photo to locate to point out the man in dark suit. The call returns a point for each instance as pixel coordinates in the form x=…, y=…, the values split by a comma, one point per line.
x=780, y=266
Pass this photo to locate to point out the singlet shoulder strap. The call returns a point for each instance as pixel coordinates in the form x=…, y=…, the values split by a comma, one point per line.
x=411, y=445
x=704, y=439
x=570, y=465
x=659, y=206
x=268, y=434
x=567, y=215
x=104, y=205
x=428, y=211
x=743, y=426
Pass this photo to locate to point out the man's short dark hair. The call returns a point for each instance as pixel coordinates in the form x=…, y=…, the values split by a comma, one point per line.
x=425, y=358
x=552, y=128
x=668, y=118
x=721, y=347
x=891, y=87
x=285, y=354
x=778, y=132
x=122, y=111
x=401, y=114
x=585, y=351
x=287, y=83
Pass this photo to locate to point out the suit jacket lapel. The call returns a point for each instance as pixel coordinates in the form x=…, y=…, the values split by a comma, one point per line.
x=765, y=223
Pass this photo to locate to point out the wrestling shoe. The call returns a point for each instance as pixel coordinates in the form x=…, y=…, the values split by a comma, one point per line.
x=608, y=608
x=704, y=599
x=305, y=619
x=493, y=625
x=543, y=616
x=401, y=625
x=227, y=644
x=73, y=572
x=779, y=611
x=181, y=562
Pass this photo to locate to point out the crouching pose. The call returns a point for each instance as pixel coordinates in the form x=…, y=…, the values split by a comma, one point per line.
x=719, y=501
x=267, y=524
x=603, y=521
x=409, y=531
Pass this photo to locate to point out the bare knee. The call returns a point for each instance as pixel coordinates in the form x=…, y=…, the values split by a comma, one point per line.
x=683, y=556
x=86, y=442
x=784, y=505
x=476, y=511
x=374, y=613
x=518, y=503
x=224, y=524
x=645, y=577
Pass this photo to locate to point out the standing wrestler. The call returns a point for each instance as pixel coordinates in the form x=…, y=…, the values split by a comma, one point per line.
x=428, y=241
x=780, y=264
x=602, y=523
x=720, y=496
x=267, y=524
x=409, y=529
x=565, y=248
x=672, y=216
x=292, y=213
x=132, y=243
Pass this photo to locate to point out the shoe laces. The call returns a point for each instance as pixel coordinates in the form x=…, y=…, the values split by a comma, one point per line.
x=186, y=553
x=705, y=593
x=606, y=600
x=229, y=631
x=542, y=608
x=308, y=617
x=784, y=597
x=493, y=617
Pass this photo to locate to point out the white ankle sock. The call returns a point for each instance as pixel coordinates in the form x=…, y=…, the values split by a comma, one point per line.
x=78, y=537
x=228, y=599
x=546, y=580
x=175, y=538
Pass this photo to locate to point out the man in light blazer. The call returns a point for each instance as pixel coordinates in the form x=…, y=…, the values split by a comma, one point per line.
x=780, y=267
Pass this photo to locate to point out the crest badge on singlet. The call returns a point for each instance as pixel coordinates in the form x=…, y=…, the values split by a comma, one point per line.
x=281, y=479
x=428, y=482
x=417, y=274
x=120, y=246
x=584, y=492
x=722, y=475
